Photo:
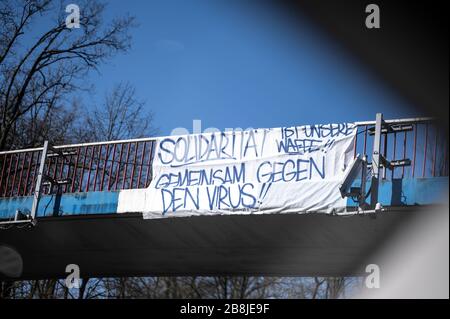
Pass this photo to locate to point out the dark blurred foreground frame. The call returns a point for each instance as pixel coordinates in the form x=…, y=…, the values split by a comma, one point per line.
x=409, y=52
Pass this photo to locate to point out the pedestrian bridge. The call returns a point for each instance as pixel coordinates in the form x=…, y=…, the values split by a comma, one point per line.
x=58, y=206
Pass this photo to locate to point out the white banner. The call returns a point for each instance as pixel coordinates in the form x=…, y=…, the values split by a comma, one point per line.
x=281, y=170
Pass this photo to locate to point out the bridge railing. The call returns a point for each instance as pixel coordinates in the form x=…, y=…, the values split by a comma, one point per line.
x=419, y=140
x=127, y=164
x=102, y=166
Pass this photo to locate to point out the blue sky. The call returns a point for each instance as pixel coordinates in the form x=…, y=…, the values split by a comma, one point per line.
x=232, y=64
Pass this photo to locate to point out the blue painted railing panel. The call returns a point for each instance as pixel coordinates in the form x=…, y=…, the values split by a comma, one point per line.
x=398, y=192
x=409, y=191
x=67, y=204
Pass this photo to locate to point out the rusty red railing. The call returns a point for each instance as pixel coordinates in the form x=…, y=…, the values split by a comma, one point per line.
x=420, y=140
x=127, y=164
x=103, y=166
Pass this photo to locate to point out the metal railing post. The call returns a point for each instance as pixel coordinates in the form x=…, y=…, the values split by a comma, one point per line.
x=376, y=164
x=362, y=196
x=37, y=190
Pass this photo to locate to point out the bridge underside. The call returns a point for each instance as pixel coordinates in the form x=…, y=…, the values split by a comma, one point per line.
x=127, y=245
